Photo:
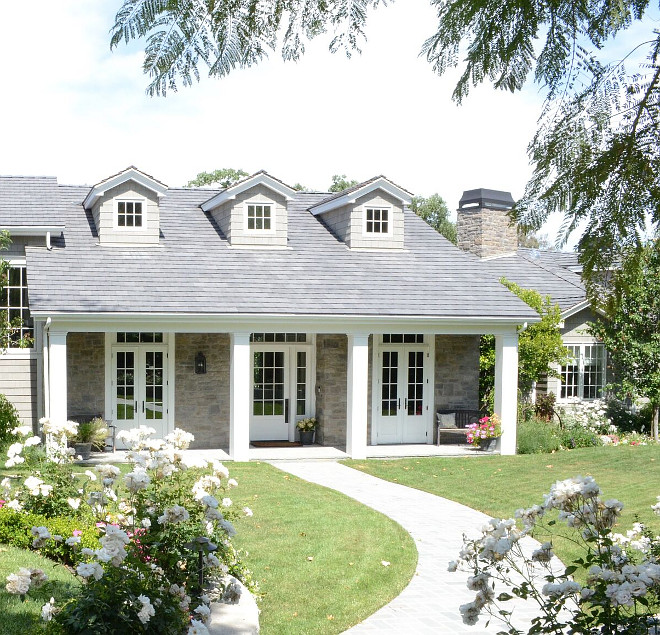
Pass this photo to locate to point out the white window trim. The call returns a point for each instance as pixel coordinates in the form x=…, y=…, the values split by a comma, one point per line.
x=130, y=199
x=580, y=365
x=273, y=218
x=376, y=235
x=20, y=261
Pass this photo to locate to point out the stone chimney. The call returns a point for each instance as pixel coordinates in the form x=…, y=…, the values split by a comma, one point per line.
x=483, y=225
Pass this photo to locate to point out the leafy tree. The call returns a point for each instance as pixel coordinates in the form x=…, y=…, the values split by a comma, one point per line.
x=539, y=345
x=341, y=183
x=435, y=212
x=222, y=178
x=299, y=187
x=596, y=153
x=630, y=329
x=532, y=240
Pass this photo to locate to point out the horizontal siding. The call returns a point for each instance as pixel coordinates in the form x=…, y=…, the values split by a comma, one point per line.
x=18, y=382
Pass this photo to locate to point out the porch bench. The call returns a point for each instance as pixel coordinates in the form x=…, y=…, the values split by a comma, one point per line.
x=462, y=418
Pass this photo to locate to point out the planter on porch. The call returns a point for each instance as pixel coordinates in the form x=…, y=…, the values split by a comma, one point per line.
x=84, y=450
x=307, y=437
x=488, y=445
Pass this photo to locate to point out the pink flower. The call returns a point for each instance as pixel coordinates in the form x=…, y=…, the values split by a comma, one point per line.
x=77, y=532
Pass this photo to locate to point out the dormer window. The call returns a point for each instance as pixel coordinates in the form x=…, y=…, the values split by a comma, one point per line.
x=377, y=220
x=129, y=213
x=259, y=217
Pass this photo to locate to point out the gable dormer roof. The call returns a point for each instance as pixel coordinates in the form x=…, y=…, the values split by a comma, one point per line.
x=131, y=173
x=259, y=178
x=351, y=194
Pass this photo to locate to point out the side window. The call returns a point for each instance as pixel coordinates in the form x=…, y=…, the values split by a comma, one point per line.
x=129, y=213
x=14, y=302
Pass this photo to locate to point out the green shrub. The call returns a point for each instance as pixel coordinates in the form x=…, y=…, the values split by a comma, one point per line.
x=577, y=436
x=8, y=420
x=537, y=437
x=16, y=530
x=627, y=421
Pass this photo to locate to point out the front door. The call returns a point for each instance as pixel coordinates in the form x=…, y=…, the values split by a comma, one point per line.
x=280, y=391
x=139, y=388
x=402, y=387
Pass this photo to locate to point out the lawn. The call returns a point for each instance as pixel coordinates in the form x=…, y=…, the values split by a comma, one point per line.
x=498, y=485
x=19, y=617
x=317, y=553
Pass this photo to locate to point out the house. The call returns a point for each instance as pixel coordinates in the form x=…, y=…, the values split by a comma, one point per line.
x=558, y=274
x=235, y=313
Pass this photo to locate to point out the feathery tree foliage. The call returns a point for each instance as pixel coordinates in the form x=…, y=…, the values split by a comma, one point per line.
x=435, y=212
x=596, y=152
x=223, y=178
x=630, y=328
x=341, y=183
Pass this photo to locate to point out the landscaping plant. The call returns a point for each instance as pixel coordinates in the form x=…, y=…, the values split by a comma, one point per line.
x=141, y=574
x=622, y=574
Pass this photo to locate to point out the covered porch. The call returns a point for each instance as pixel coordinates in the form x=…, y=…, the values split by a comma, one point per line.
x=373, y=384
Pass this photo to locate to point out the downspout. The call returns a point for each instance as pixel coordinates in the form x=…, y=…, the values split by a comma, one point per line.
x=46, y=345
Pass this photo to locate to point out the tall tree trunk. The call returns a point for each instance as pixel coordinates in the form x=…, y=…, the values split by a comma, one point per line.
x=656, y=412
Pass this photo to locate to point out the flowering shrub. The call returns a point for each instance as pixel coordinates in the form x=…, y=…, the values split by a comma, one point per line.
x=307, y=425
x=622, y=573
x=487, y=428
x=589, y=415
x=141, y=575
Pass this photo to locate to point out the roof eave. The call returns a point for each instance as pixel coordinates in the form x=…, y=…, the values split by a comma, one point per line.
x=350, y=198
x=261, y=178
x=130, y=174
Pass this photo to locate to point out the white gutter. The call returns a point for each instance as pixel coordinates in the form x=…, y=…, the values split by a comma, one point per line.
x=35, y=230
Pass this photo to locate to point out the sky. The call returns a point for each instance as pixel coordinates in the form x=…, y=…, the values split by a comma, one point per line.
x=71, y=108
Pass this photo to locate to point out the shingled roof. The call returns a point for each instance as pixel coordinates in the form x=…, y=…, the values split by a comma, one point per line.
x=195, y=270
x=28, y=201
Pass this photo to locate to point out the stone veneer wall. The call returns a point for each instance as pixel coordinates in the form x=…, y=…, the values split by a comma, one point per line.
x=85, y=373
x=486, y=232
x=331, y=362
x=457, y=372
x=202, y=401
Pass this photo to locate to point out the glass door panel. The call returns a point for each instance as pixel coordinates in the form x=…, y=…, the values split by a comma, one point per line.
x=390, y=384
x=269, y=419
x=125, y=398
x=154, y=371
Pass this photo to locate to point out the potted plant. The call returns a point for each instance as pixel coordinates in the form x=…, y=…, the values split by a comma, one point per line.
x=306, y=429
x=90, y=434
x=485, y=433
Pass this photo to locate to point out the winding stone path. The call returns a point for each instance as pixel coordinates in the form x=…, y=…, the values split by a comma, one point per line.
x=429, y=604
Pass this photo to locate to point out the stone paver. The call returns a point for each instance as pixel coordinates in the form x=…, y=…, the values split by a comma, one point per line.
x=429, y=604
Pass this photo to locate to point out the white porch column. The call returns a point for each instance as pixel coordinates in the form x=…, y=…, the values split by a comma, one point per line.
x=357, y=391
x=506, y=388
x=57, y=393
x=239, y=401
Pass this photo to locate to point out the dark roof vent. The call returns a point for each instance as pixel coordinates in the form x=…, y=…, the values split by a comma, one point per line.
x=491, y=199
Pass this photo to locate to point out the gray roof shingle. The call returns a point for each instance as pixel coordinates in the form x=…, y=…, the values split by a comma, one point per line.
x=28, y=200
x=194, y=270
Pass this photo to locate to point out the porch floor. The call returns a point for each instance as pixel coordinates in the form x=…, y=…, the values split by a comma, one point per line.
x=312, y=452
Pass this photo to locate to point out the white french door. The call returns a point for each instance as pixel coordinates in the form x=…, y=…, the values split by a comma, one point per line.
x=402, y=395
x=139, y=388
x=281, y=395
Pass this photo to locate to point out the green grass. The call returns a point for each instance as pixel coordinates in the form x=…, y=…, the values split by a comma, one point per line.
x=316, y=553
x=498, y=485
x=20, y=617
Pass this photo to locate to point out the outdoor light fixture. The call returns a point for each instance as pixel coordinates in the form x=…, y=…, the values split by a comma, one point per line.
x=200, y=364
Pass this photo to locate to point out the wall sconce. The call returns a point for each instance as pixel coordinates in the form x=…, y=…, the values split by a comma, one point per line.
x=200, y=364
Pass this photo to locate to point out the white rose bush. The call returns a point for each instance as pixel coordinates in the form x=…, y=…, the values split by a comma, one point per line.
x=133, y=549
x=619, y=575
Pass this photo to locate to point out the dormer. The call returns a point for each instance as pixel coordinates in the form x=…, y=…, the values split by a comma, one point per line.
x=253, y=212
x=125, y=208
x=366, y=216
